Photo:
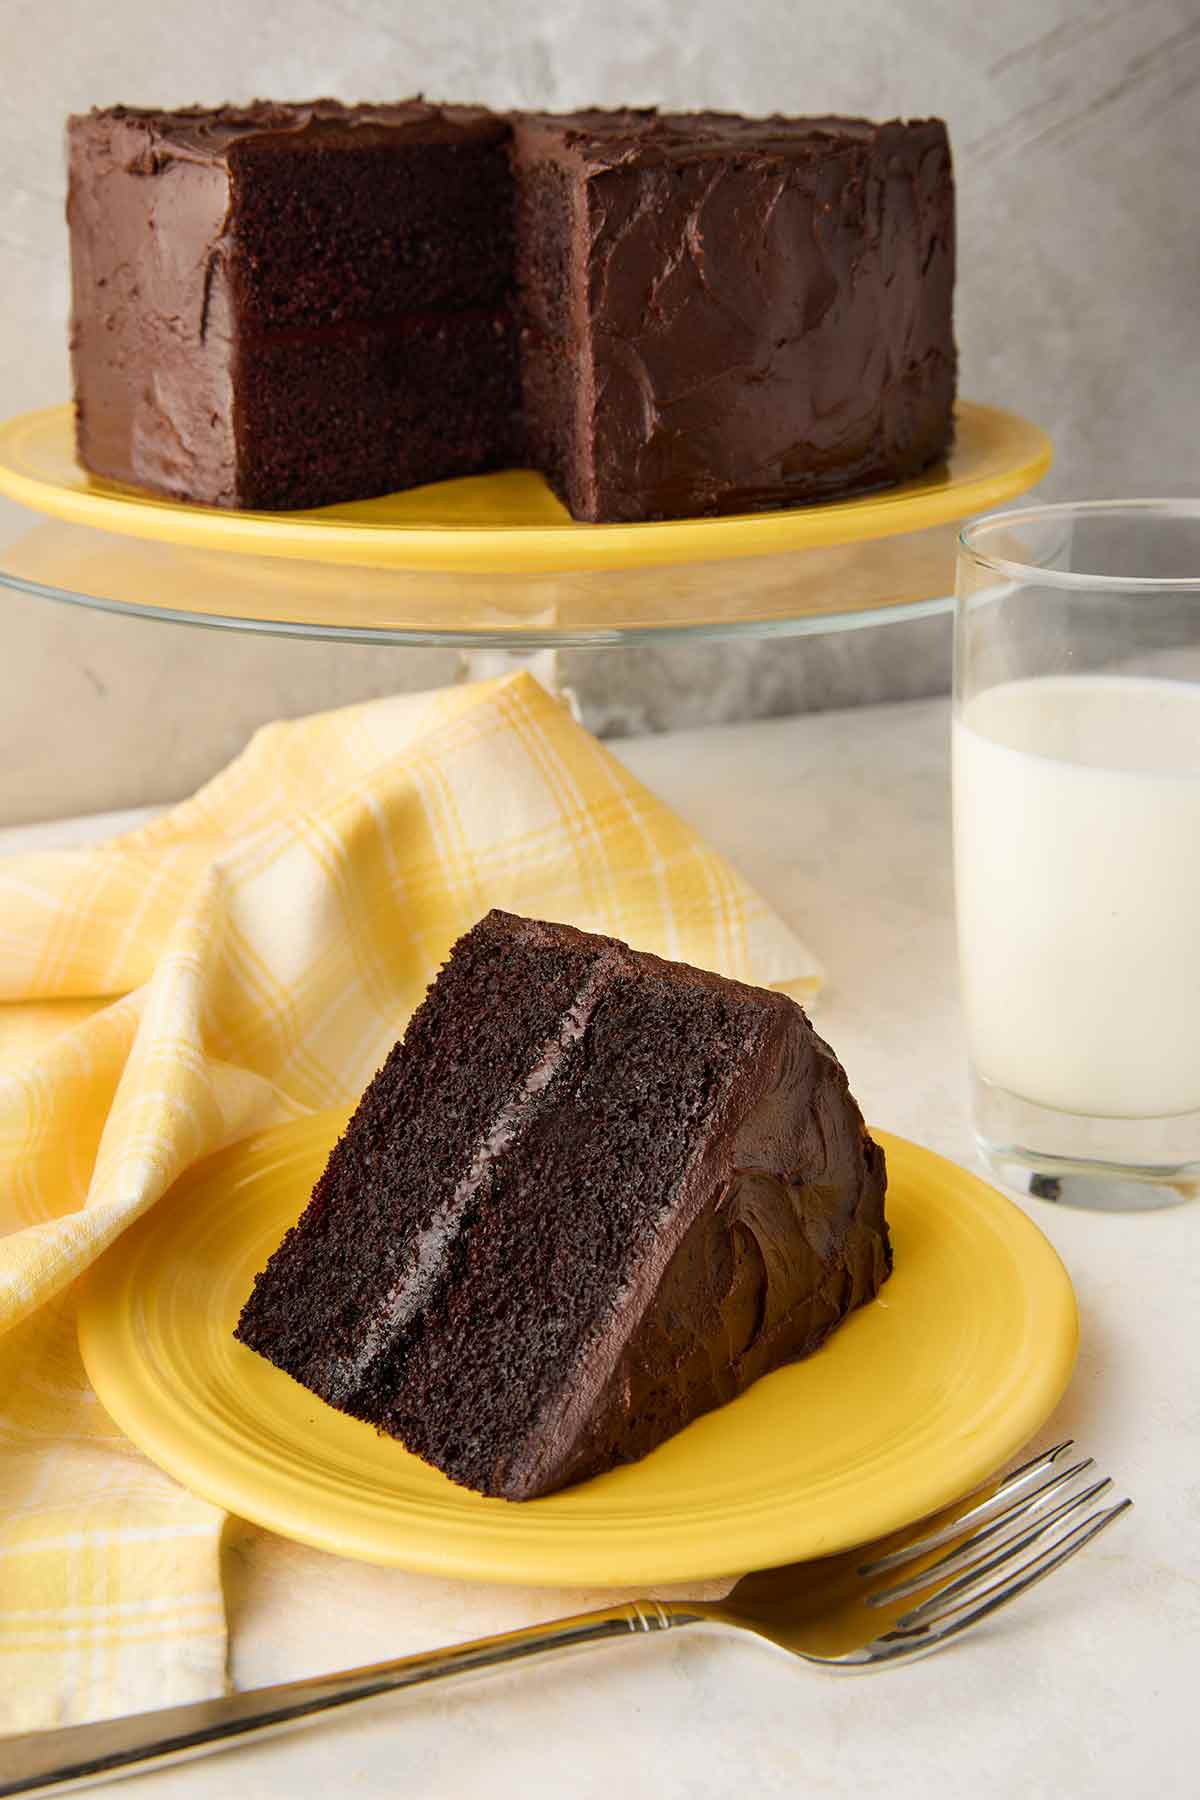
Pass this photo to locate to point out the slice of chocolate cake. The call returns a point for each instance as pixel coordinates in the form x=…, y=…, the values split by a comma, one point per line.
x=589, y=1196
x=723, y=314
x=285, y=306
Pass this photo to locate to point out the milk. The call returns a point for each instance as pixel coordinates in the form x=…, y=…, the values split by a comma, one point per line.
x=1077, y=851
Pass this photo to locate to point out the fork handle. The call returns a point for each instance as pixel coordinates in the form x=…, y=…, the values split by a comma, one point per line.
x=50, y=1762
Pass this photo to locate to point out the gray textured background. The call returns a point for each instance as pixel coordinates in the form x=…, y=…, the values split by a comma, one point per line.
x=1076, y=132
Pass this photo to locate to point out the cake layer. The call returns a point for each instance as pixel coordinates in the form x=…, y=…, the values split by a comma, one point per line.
x=386, y=211
x=590, y=1196
x=372, y=408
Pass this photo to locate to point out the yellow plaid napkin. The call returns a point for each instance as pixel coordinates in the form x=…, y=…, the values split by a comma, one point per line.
x=251, y=955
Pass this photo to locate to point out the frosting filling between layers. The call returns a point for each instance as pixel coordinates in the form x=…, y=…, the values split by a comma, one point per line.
x=350, y=1377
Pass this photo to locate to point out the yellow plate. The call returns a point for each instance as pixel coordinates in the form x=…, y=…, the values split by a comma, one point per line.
x=913, y=1401
x=511, y=522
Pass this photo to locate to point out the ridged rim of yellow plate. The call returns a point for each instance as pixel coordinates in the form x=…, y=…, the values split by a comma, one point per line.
x=510, y=522
x=917, y=1398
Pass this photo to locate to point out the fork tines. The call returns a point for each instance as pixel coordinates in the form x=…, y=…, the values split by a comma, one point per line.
x=1029, y=1506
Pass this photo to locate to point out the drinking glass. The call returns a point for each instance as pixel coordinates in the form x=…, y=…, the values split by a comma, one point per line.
x=1076, y=759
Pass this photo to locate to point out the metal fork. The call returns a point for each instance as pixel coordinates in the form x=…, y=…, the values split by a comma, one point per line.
x=846, y=1613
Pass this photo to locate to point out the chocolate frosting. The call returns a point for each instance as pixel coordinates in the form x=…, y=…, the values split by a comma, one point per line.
x=779, y=1232
x=605, y=138
x=764, y=309
x=153, y=317
x=145, y=141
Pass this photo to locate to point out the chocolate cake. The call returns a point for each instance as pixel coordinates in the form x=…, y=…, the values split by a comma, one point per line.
x=668, y=314
x=589, y=1196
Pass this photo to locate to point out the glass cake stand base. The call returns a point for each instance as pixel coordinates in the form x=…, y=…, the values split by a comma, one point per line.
x=494, y=562
x=491, y=567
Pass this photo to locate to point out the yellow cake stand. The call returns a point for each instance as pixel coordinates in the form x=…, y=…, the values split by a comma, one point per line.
x=495, y=560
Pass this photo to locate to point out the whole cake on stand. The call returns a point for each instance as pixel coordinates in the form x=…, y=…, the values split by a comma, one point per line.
x=668, y=315
x=686, y=323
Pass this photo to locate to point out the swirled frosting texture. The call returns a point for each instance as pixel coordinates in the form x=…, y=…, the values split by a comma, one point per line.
x=762, y=309
x=786, y=1235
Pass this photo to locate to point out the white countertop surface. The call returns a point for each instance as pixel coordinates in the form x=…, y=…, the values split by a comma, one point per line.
x=1087, y=1687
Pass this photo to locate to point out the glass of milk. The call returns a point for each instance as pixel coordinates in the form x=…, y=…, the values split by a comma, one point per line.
x=1077, y=847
